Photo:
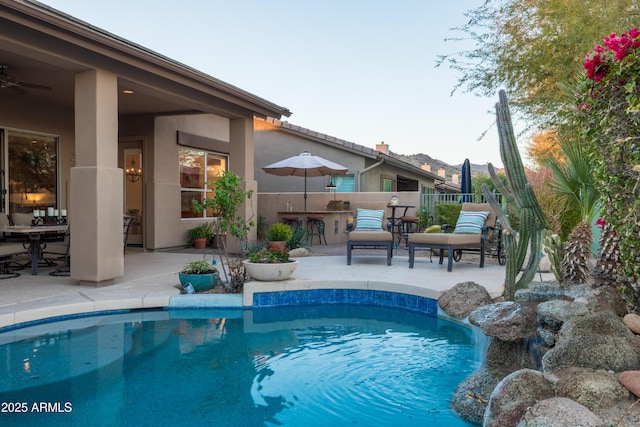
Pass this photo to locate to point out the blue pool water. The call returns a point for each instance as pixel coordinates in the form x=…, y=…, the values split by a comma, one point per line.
x=291, y=366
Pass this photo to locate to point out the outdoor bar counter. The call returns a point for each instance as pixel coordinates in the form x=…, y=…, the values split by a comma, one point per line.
x=335, y=223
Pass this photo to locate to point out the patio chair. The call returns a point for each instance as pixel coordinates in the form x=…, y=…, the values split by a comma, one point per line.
x=472, y=231
x=369, y=234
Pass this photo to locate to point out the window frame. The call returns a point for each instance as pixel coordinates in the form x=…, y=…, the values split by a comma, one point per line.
x=202, y=191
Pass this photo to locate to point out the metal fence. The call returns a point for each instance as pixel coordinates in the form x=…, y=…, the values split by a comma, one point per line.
x=429, y=201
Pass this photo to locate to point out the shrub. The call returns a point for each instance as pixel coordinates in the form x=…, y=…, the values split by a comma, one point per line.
x=279, y=232
x=448, y=213
x=202, y=231
x=608, y=110
x=199, y=266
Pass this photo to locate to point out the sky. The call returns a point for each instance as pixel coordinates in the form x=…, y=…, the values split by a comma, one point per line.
x=359, y=70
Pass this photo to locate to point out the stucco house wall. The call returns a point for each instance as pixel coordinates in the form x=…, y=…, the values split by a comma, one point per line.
x=272, y=146
x=107, y=93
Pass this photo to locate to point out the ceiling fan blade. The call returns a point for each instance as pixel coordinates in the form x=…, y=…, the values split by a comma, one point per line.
x=33, y=86
x=17, y=90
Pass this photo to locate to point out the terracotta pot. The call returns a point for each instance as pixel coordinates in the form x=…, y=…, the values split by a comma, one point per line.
x=200, y=243
x=270, y=272
x=277, y=245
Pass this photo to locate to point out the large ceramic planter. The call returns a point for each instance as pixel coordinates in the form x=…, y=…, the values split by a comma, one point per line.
x=270, y=272
x=200, y=282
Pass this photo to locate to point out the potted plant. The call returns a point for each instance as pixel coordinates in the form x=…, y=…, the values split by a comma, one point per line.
x=269, y=264
x=200, y=273
x=199, y=235
x=278, y=235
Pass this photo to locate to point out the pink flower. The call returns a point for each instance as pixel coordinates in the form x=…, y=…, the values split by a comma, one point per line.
x=600, y=222
x=595, y=66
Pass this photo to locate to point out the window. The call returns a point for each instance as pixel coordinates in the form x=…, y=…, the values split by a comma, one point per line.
x=343, y=183
x=32, y=171
x=197, y=170
x=387, y=185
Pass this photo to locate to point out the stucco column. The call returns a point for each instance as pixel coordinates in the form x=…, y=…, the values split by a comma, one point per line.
x=96, y=190
x=241, y=152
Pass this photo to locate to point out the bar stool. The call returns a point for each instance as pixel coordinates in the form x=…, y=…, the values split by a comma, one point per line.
x=408, y=224
x=315, y=227
x=292, y=221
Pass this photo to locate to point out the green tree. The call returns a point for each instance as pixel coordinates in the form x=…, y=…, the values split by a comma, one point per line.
x=529, y=47
x=572, y=180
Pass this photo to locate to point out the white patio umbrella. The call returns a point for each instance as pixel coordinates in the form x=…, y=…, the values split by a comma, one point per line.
x=305, y=164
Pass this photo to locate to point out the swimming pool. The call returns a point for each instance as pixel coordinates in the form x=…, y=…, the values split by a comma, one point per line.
x=279, y=366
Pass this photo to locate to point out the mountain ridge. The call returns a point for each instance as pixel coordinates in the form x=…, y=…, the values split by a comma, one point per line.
x=436, y=164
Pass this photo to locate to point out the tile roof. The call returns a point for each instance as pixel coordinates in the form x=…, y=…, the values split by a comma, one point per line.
x=350, y=146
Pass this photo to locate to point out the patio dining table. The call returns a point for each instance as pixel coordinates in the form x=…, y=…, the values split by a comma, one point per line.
x=35, y=233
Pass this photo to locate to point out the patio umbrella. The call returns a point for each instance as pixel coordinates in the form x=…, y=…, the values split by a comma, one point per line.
x=465, y=182
x=305, y=164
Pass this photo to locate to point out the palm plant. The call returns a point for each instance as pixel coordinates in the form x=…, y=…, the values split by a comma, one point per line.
x=572, y=179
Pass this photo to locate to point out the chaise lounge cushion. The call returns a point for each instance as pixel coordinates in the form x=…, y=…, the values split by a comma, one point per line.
x=458, y=240
x=367, y=235
x=445, y=239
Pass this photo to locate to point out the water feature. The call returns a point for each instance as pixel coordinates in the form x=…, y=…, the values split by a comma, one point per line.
x=288, y=366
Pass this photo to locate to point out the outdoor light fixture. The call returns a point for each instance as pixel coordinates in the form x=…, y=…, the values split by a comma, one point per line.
x=332, y=187
x=132, y=173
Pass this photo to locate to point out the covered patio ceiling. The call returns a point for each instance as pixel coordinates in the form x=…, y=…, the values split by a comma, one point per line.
x=42, y=46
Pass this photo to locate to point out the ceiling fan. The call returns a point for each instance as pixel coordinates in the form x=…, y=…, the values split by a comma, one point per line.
x=6, y=81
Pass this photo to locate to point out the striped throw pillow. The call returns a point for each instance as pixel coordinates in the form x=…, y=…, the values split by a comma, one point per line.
x=470, y=222
x=368, y=219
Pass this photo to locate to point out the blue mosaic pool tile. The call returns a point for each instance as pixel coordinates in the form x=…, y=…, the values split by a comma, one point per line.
x=328, y=296
x=346, y=296
x=342, y=296
x=387, y=299
x=428, y=305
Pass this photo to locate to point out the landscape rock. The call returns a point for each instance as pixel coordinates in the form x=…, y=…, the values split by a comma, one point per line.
x=596, y=341
x=555, y=313
x=559, y=412
x=470, y=399
x=508, y=321
x=610, y=299
x=300, y=252
x=539, y=291
x=633, y=322
x=631, y=381
x=514, y=355
x=597, y=390
x=463, y=298
x=513, y=395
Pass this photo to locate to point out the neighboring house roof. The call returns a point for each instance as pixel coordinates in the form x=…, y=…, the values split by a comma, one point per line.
x=35, y=38
x=351, y=147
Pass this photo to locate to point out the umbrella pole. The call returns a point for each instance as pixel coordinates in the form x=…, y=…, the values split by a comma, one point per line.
x=305, y=190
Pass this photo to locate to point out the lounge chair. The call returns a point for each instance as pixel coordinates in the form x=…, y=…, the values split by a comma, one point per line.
x=473, y=229
x=369, y=234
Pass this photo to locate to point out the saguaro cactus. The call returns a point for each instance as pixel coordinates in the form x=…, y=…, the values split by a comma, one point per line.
x=520, y=196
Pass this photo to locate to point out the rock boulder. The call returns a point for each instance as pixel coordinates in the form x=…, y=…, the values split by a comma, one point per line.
x=463, y=298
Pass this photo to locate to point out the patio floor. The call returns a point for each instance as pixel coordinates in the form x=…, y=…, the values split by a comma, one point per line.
x=150, y=279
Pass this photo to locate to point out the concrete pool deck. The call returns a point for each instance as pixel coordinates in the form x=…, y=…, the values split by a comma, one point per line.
x=150, y=279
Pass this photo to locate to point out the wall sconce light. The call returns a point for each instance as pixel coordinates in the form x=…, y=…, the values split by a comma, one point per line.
x=132, y=173
x=332, y=187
